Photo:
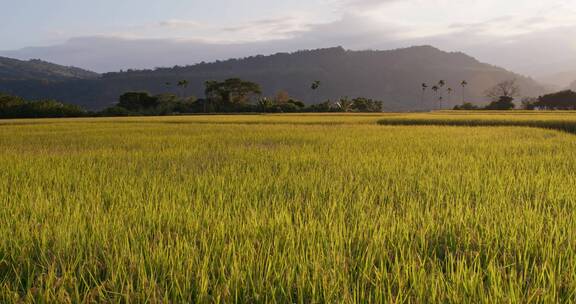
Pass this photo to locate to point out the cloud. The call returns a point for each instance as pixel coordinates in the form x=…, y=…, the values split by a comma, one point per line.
x=370, y=4
x=284, y=27
x=177, y=23
x=510, y=25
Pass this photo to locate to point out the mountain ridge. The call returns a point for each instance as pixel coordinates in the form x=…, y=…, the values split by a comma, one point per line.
x=393, y=76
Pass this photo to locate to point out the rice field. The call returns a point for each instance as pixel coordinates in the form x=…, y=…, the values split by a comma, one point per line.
x=389, y=208
x=561, y=121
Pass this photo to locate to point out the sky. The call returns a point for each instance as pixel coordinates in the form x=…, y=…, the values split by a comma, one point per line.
x=534, y=37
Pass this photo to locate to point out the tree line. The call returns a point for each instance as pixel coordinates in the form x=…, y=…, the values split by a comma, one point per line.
x=16, y=107
x=235, y=95
x=504, y=93
x=563, y=100
x=232, y=95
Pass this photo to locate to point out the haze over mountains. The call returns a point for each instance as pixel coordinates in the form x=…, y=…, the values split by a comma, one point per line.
x=573, y=86
x=392, y=76
x=109, y=54
x=560, y=80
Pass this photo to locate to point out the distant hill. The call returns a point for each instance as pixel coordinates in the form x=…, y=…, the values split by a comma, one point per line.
x=13, y=69
x=393, y=76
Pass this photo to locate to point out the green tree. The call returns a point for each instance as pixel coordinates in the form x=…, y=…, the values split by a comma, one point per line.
x=563, y=100
x=466, y=106
x=8, y=101
x=291, y=106
x=367, y=105
x=137, y=101
x=504, y=103
x=233, y=91
x=325, y=106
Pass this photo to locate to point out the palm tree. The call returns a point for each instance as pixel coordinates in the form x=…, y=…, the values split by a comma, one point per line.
x=183, y=84
x=315, y=85
x=463, y=84
x=435, y=89
x=450, y=91
x=441, y=85
x=424, y=88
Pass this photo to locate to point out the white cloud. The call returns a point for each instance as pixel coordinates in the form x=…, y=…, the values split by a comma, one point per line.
x=403, y=19
x=178, y=23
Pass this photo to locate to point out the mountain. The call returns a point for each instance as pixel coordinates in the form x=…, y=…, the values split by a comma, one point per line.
x=13, y=69
x=393, y=76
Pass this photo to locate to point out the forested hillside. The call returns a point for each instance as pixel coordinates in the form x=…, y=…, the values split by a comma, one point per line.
x=394, y=76
x=13, y=69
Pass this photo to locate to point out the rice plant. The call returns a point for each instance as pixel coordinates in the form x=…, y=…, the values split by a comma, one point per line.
x=286, y=209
